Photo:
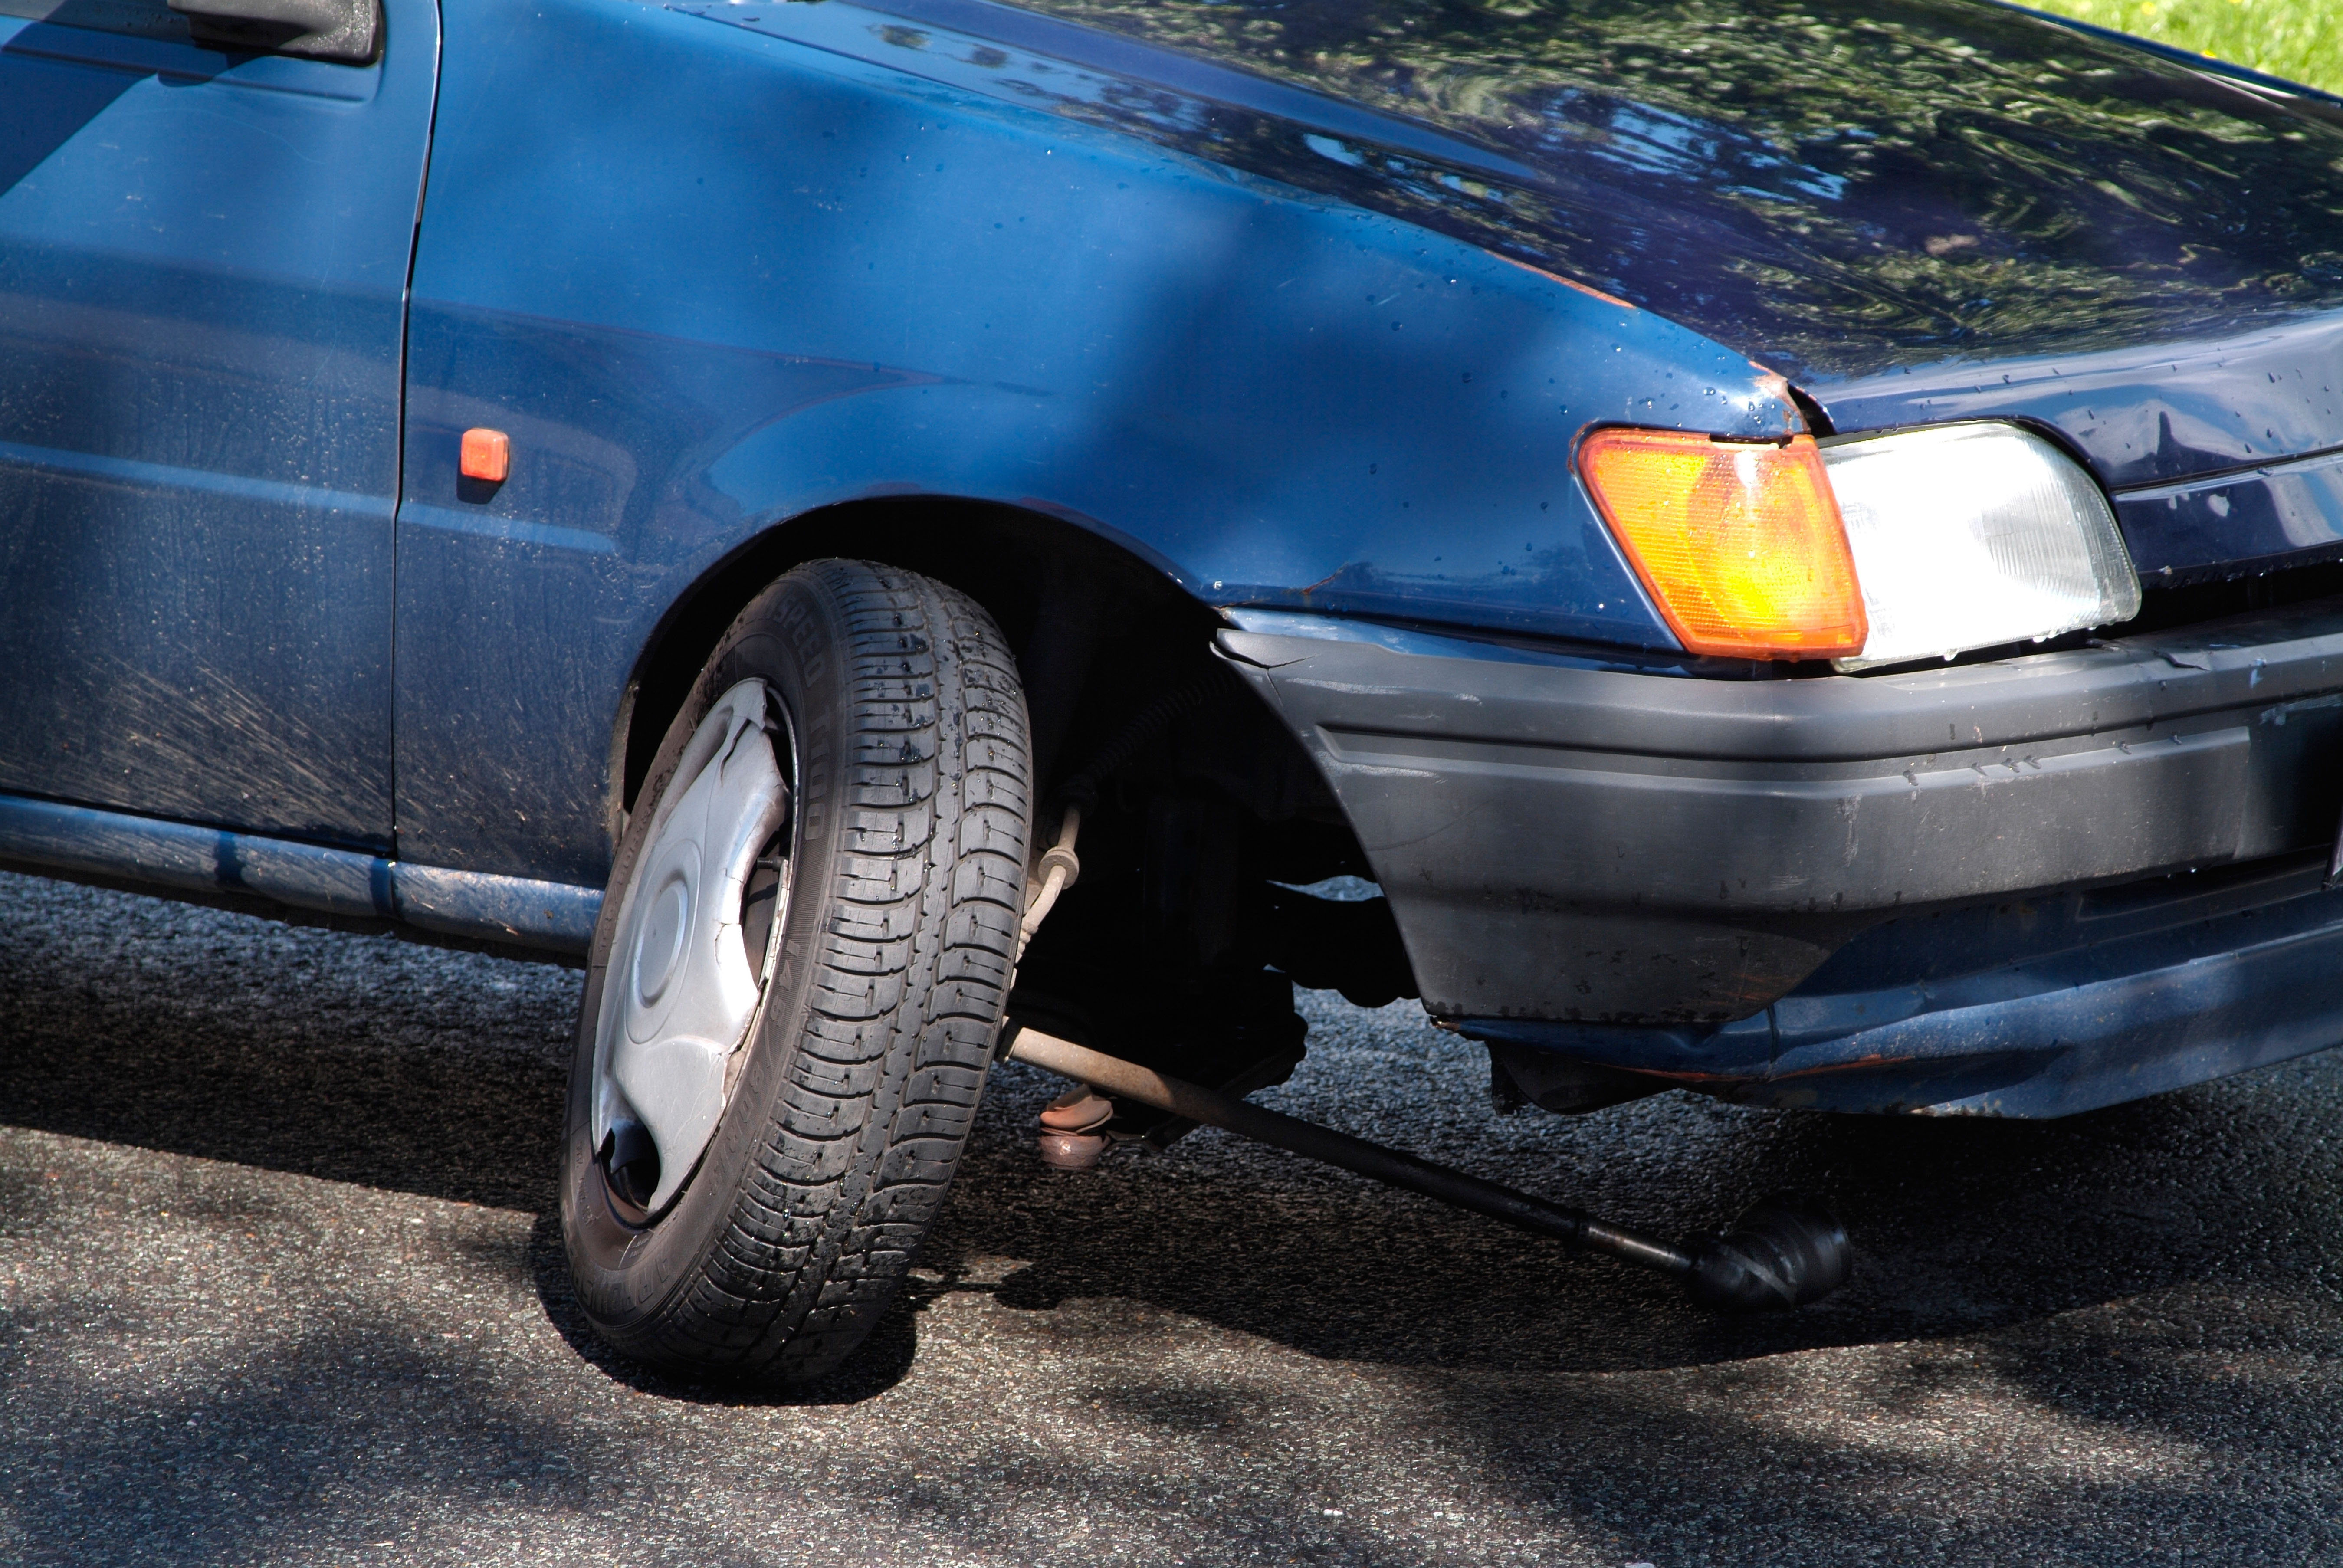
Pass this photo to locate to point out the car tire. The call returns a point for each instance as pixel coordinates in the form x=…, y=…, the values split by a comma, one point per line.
x=898, y=730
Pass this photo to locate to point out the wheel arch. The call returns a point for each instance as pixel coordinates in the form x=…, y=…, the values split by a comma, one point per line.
x=1019, y=563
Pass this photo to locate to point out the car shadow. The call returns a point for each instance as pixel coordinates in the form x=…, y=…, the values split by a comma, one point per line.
x=1960, y=1227
x=363, y=1060
x=353, y=1059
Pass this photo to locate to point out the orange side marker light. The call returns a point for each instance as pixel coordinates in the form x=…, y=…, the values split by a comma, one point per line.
x=1739, y=543
x=486, y=455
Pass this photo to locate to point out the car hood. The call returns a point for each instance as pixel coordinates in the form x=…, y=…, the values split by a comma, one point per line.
x=1897, y=204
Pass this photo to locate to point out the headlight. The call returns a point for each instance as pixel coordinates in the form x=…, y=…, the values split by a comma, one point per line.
x=1874, y=549
x=1969, y=535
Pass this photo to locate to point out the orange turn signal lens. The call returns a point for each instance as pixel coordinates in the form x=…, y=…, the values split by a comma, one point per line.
x=1739, y=543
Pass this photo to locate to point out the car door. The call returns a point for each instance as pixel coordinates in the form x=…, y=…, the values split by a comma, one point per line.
x=203, y=270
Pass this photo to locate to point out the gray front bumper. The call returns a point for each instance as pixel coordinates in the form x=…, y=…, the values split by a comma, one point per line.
x=1566, y=839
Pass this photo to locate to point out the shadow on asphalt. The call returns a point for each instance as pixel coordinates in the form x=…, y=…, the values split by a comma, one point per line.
x=371, y=1061
x=1960, y=1227
x=2084, y=1342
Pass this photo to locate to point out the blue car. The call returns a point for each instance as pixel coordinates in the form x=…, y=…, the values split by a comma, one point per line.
x=1797, y=543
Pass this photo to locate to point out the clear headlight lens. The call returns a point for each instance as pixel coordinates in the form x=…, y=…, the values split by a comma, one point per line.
x=1970, y=536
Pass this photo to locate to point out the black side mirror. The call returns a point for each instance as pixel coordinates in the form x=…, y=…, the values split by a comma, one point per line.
x=349, y=31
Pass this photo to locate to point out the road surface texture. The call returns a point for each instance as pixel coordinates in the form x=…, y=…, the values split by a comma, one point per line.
x=281, y=1286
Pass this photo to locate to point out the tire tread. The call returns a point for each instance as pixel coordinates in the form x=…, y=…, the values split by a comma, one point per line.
x=907, y=989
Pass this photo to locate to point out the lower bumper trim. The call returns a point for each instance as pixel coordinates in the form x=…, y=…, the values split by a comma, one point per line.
x=2069, y=1033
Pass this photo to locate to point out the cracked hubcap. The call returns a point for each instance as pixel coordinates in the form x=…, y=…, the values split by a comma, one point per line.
x=693, y=949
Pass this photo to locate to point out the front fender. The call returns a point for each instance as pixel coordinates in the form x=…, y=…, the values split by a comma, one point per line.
x=710, y=280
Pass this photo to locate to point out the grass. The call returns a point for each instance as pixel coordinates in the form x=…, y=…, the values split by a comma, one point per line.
x=2301, y=40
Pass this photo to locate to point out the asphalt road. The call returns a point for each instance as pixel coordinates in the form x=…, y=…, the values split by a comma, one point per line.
x=280, y=1287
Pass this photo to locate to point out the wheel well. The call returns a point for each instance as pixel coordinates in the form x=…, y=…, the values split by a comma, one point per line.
x=1010, y=560
x=1201, y=803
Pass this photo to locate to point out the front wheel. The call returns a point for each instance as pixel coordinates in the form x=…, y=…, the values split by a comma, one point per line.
x=797, y=977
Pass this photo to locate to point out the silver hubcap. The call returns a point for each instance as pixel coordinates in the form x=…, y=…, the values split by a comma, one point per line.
x=683, y=986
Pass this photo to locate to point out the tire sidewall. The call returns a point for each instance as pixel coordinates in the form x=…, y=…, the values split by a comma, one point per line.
x=793, y=637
